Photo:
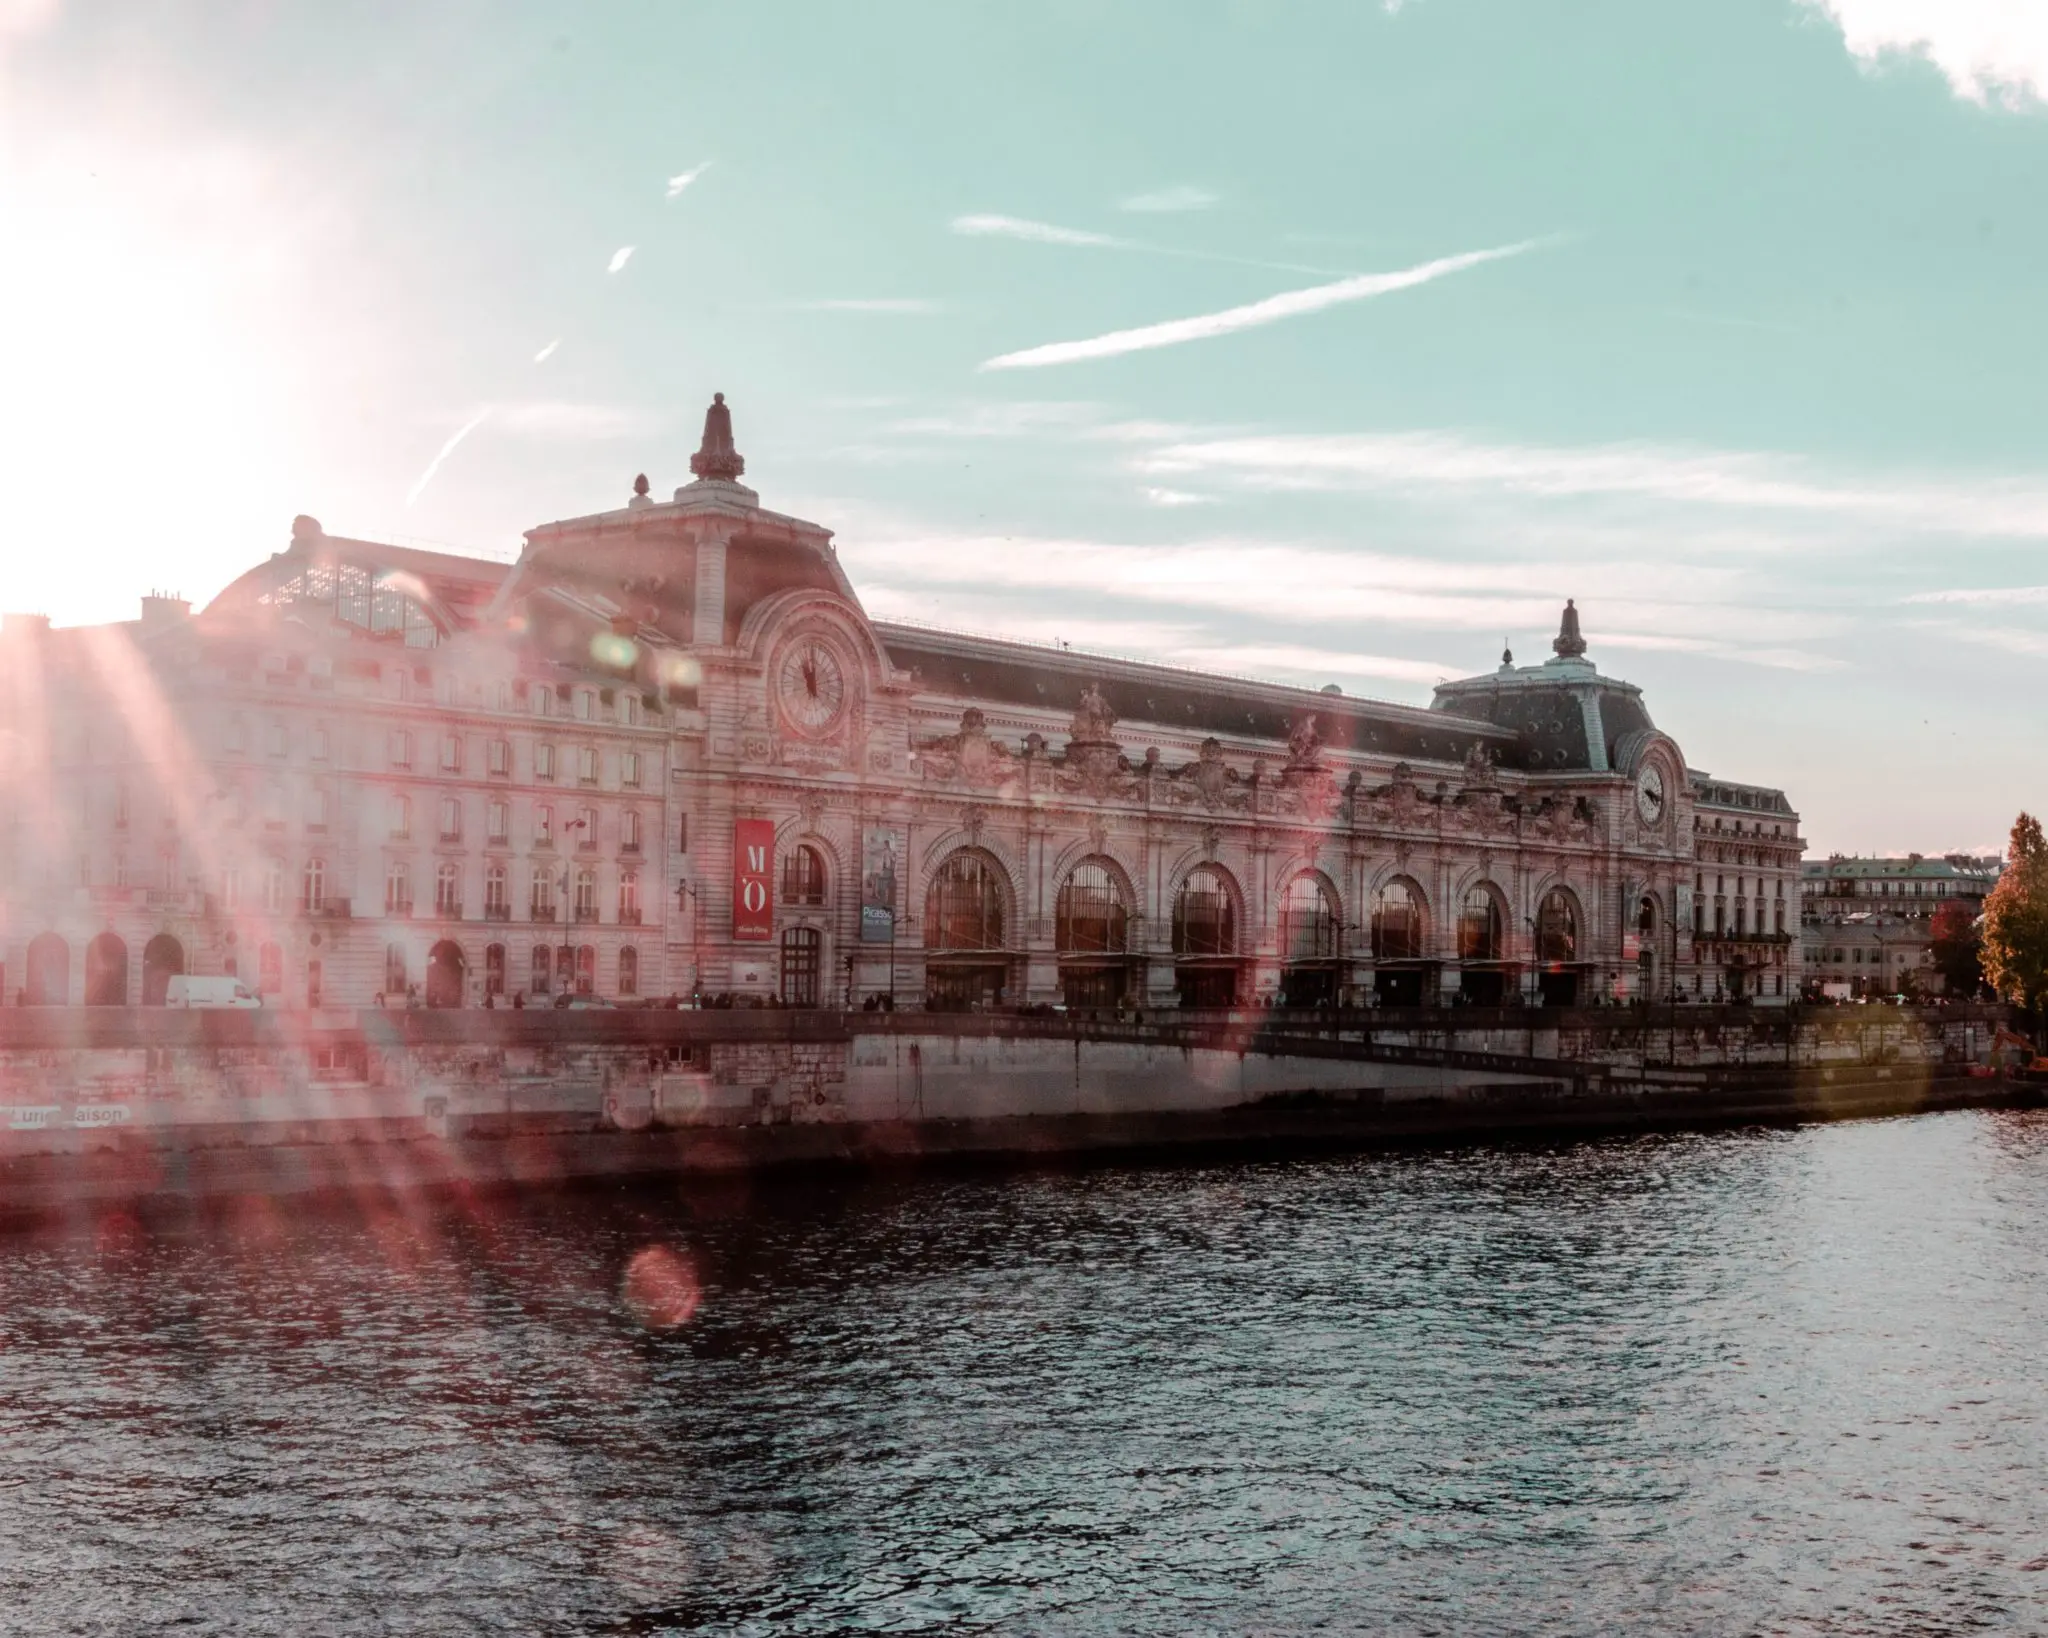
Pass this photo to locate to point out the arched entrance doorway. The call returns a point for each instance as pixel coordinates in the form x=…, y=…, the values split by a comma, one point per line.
x=163, y=958
x=1557, y=949
x=1091, y=930
x=1205, y=960
x=446, y=970
x=1309, y=944
x=1400, y=926
x=966, y=964
x=106, y=971
x=48, y=980
x=1482, y=948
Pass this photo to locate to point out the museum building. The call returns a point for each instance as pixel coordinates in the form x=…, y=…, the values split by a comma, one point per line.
x=667, y=753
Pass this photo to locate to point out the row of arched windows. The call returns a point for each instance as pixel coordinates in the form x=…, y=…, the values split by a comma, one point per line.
x=965, y=906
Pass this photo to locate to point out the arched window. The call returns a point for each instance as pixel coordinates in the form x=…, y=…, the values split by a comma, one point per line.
x=494, y=969
x=1398, y=924
x=270, y=970
x=1091, y=916
x=629, y=898
x=1205, y=914
x=586, y=969
x=314, y=982
x=1557, y=927
x=586, y=894
x=1308, y=921
x=803, y=875
x=542, y=969
x=542, y=905
x=497, y=893
x=398, y=888
x=1479, y=927
x=394, y=969
x=448, y=889
x=629, y=971
x=313, y=887
x=964, y=908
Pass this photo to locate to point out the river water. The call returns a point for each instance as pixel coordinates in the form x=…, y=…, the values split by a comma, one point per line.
x=1772, y=1381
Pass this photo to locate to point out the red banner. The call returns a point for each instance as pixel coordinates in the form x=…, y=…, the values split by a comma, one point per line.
x=753, y=880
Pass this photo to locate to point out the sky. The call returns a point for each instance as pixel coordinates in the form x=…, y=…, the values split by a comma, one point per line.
x=1312, y=342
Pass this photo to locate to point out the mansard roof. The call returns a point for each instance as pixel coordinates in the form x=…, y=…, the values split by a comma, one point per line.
x=991, y=671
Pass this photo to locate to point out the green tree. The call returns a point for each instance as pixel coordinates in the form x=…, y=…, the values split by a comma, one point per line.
x=2015, y=936
x=1956, y=951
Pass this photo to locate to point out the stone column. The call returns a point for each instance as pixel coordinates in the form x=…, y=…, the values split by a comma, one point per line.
x=708, y=627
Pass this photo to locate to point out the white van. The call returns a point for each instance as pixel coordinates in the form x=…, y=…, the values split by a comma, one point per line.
x=185, y=990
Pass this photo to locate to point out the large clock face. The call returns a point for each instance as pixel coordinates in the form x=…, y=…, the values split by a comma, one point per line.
x=811, y=685
x=1650, y=796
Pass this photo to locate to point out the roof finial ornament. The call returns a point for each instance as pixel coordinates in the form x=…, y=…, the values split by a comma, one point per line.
x=640, y=484
x=716, y=458
x=1570, y=645
x=1507, y=655
x=640, y=499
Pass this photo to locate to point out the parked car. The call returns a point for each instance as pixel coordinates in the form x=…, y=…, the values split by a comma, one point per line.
x=188, y=990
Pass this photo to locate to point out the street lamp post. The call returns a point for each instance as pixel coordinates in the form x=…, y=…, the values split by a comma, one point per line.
x=566, y=972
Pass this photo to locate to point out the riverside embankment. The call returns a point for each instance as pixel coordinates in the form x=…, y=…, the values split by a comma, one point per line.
x=109, y=1104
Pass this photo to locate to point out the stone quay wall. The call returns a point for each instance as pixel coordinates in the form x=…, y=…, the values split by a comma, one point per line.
x=145, y=1101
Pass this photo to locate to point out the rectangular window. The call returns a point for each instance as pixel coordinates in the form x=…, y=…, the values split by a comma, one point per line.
x=317, y=804
x=451, y=753
x=541, y=701
x=398, y=889
x=543, y=826
x=586, y=827
x=544, y=762
x=629, y=831
x=230, y=889
x=280, y=739
x=401, y=817
x=542, y=899
x=451, y=818
x=582, y=705
x=629, y=710
x=500, y=820
x=401, y=748
x=543, y=969
x=273, y=886
x=500, y=754
x=682, y=833
x=586, y=765
x=629, y=770
x=317, y=745
x=238, y=736
x=629, y=897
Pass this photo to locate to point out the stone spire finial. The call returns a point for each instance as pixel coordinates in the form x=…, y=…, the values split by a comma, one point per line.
x=716, y=458
x=640, y=484
x=640, y=496
x=1570, y=645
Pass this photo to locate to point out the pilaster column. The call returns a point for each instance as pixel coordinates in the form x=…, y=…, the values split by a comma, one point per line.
x=708, y=627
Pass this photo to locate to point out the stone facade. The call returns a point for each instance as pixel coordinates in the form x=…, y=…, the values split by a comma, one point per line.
x=668, y=752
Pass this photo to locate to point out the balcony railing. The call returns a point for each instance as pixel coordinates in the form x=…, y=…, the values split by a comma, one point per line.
x=586, y=912
x=398, y=907
x=541, y=912
x=627, y=918
x=497, y=912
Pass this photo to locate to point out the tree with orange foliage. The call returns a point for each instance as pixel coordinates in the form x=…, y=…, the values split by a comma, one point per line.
x=2015, y=940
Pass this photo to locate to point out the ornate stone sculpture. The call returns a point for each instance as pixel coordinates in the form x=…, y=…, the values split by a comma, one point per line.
x=969, y=756
x=1569, y=644
x=716, y=458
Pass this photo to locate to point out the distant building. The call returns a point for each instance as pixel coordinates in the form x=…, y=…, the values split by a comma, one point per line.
x=1867, y=923
x=669, y=751
x=1746, y=847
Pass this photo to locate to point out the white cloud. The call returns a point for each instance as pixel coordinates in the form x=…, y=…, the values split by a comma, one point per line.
x=1171, y=199
x=1684, y=477
x=620, y=257
x=420, y=484
x=571, y=423
x=548, y=351
x=870, y=304
x=1986, y=49
x=1983, y=594
x=1043, y=233
x=676, y=184
x=1290, y=304
x=1176, y=497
